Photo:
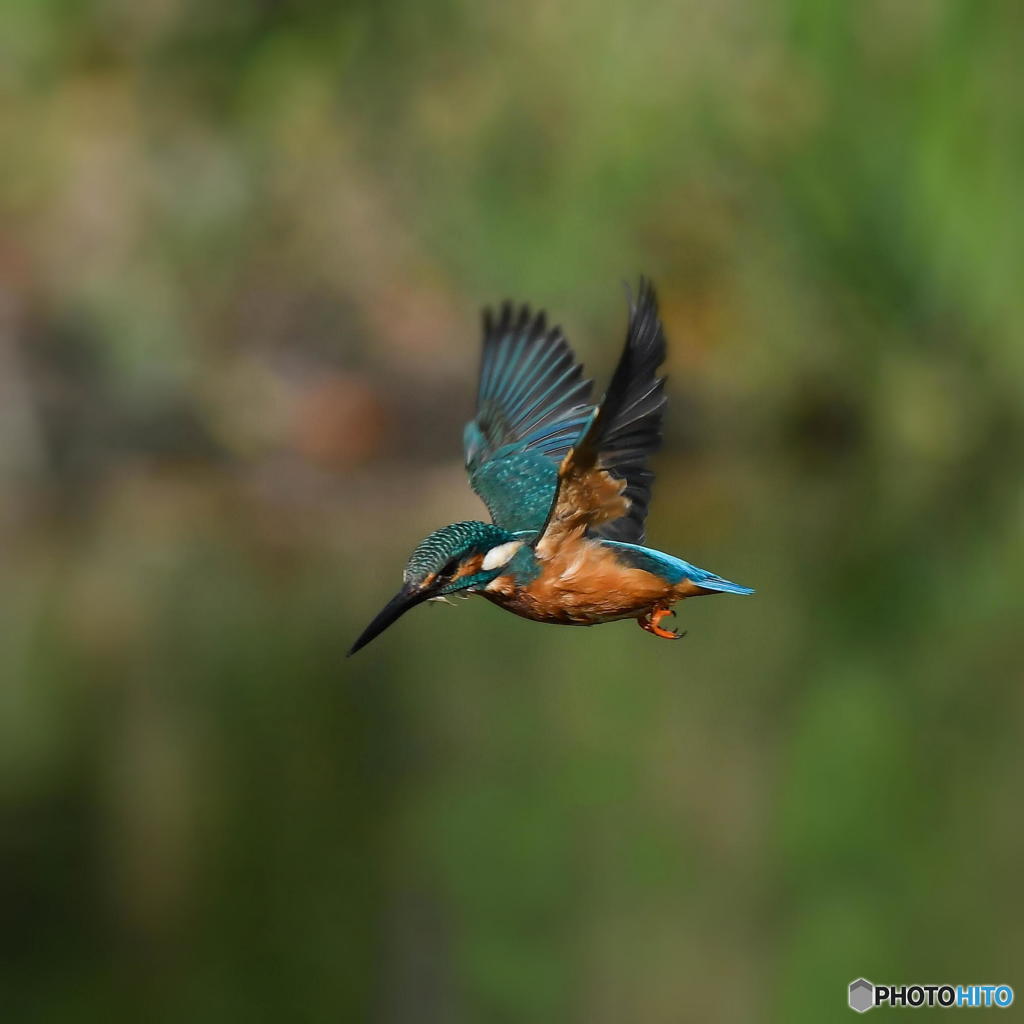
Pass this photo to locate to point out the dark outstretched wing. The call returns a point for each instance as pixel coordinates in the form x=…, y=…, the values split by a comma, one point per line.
x=604, y=482
x=532, y=406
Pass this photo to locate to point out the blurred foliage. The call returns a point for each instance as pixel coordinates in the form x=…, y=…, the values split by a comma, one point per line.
x=244, y=246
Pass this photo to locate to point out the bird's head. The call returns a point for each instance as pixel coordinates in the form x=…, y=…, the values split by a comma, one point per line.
x=459, y=557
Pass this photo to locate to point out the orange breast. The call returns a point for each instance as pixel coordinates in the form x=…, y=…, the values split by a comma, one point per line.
x=581, y=583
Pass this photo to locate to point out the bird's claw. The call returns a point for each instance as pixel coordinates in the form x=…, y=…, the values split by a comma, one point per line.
x=651, y=623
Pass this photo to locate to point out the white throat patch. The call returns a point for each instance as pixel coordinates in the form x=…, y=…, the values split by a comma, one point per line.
x=501, y=555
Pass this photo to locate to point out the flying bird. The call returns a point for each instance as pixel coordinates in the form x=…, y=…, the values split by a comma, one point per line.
x=566, y=483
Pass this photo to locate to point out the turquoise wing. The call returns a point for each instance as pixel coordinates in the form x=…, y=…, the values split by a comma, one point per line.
x=533, y=404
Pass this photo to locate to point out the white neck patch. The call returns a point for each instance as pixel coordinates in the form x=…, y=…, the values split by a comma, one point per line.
x=501, y=555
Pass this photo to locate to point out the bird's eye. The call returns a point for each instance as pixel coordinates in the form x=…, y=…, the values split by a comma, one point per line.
x=448, y=569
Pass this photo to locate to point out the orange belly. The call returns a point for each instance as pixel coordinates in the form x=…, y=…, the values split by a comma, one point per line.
x=582, y=584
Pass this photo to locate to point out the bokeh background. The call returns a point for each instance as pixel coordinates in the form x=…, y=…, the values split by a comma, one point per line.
x=243, y=252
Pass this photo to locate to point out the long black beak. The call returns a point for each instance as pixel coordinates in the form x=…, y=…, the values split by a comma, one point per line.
x=391, y=612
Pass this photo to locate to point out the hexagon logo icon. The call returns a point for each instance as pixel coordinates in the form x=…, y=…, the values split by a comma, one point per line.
x=862, y=995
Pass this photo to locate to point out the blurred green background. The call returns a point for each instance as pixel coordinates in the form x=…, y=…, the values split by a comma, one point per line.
x=243, y=251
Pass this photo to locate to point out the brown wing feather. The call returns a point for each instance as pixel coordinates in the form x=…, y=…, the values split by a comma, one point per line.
x=587, y=497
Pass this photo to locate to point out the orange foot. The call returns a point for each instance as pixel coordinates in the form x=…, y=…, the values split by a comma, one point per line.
x=651, y=621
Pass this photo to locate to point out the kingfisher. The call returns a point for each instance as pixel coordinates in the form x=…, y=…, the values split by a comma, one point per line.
x=566, y=483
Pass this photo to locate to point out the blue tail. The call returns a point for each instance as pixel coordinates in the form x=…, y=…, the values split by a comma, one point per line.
x=674, y=570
